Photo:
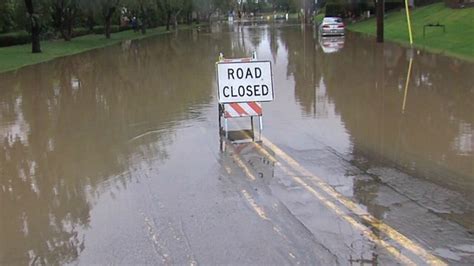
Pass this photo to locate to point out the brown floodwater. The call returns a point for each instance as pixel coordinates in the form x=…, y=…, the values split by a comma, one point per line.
x=76, y=130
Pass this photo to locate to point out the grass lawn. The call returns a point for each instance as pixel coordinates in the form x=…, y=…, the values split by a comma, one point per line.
x=319, y=18
x=17, y=56
x=457, y=41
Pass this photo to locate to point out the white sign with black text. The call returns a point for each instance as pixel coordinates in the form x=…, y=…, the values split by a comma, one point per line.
x=245, y=81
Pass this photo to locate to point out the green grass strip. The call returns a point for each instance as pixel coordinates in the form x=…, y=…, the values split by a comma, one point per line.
x=457, y=41
x=319, y=18
x=15, y=57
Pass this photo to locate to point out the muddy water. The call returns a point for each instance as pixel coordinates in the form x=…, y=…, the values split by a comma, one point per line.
x=424, y=128
x=75, y=129
x=71, y=126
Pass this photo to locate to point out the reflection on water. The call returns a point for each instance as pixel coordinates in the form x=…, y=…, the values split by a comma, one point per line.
x=331, y=44
x=432, y=138
x=72, y=124
x=72, y=128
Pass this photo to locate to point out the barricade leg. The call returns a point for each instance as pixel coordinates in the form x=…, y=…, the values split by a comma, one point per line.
x=219, y=116
x=253, y=131
x=222, y=143
x=226, y=128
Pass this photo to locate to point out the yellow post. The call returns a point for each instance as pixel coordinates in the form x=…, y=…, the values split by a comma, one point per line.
x=406, y=86
x=409, y=22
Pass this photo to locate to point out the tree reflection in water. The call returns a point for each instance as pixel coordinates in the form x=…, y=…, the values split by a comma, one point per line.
x=71, y=130
x=365, y=83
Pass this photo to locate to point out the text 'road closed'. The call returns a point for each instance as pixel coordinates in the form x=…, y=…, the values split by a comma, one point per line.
x=245, y=82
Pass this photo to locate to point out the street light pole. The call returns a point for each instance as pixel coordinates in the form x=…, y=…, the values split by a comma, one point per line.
x=380, y=15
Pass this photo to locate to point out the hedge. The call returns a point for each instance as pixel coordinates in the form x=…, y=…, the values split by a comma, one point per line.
x=101, y=29
x=23, y=37
x=78, y=32
x=14, y=38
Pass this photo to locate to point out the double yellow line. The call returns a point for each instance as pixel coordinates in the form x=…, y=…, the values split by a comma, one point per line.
x=328, y=196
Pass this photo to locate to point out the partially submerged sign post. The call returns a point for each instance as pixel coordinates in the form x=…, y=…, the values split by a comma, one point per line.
x=242, y=84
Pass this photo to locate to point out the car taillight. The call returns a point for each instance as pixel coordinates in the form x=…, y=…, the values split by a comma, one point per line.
x=325, y=26
x=340, y=26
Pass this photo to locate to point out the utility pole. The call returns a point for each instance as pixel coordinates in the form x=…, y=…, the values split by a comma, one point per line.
x=380, y=14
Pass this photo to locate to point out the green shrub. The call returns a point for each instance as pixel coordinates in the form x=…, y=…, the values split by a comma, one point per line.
x=335, y=10
x=101, y=29
x=124, y=28
x=77, y=32
x=14, y=38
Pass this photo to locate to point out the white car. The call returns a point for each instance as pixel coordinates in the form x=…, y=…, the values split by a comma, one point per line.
x=331, y=26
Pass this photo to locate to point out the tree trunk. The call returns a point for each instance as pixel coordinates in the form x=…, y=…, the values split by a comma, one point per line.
x=108, y=21
x=189, y=18
x=143, y=28
x=35, y=27
x=66, y=30
x=175, y=21
x=168, y=20
x=107, y=27
x=65, y=35
x=70, y=16
x=144, y=20
x=90, y=22
x=175, y=18
x=380, y=17
x=35, y=38
x=64, y=14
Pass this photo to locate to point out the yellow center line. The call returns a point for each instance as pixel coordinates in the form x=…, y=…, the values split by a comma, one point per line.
x=263, y=215
x=260, y=212
x=244, y=167
x=367, y=233
x=353, y=207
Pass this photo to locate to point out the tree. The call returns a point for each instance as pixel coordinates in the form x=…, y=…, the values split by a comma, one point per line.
x=204, y=7
x=88, y=8
x=64, y=15
x=143, y=6
x=251, y=6
x=107, y=9
x=209, y=7
x=7, y=9
x=141, y=9
x=283, y=5
x=304, y=8
x=171, y=9
x=35, y=25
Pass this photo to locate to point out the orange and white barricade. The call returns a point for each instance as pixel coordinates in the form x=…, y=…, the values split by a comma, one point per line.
x=240, y=109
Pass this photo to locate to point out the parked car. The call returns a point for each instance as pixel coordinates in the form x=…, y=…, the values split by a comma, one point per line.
x=331, y=26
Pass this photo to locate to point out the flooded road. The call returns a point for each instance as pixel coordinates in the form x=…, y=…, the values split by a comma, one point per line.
x=114, y=156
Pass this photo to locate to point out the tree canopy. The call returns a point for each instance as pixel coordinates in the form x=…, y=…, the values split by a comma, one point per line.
x=46, y=19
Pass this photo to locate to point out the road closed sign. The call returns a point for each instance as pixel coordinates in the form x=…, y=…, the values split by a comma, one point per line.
x=245, y=81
